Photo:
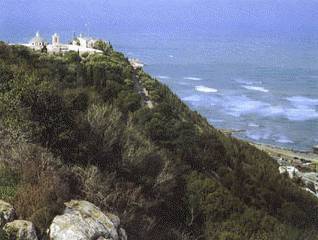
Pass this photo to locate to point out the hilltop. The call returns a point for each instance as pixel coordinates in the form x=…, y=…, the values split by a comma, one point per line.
x=81, y=127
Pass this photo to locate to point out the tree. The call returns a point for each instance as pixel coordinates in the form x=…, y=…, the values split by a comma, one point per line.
x=105, y=47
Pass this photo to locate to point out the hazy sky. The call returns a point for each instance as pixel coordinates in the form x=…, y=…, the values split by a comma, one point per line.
x=279, y=17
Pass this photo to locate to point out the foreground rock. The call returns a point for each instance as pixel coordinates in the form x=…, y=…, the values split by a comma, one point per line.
x=82, y=220
x=20, y=230
x=7, y=213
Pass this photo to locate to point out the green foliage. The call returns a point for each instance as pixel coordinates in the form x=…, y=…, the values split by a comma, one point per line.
x=8, y=183
x=128, y=101
x=103, y=46
x=77, y=127
x=105, y=135
x=3, y=235
x=72, y=57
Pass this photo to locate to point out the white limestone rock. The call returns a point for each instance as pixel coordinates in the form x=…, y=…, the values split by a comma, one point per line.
x=20, y=230
x=82, y=220
x=7, y=213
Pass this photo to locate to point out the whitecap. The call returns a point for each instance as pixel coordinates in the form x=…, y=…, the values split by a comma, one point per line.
x=206, y=89
x=301, y=114
x=255, y=88
x=243, y=81
x=283, y=139
x=254, y=125
x=193, y=78
x=171, y=56
x=303, y=108
x=163, y=77
x=256, y=136
x=242, y=105
x=303, y=101
x=193, y=98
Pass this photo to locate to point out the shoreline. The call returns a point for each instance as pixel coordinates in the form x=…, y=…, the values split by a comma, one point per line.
x=300, y=164
x=278, y=152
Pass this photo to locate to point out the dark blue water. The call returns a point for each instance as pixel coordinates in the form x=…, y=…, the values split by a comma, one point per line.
x=241, y=64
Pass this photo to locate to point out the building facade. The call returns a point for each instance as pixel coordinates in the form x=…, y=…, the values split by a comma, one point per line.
x=37, y=42
x=80, y=44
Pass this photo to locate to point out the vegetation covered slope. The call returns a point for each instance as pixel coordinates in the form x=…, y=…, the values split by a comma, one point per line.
x=78, y=127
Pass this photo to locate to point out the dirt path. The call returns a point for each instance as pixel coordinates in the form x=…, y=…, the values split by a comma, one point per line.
x=142, y=92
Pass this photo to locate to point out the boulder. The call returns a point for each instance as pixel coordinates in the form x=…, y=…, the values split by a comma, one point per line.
x=20, y=230
x=82, y=220
x=7, y=213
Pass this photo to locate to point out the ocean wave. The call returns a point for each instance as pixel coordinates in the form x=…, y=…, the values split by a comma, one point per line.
x=184, y=83
x=242, y=105
x=303, y=101
x=206, y=89
x=193, y=98
x=247, y=82
x=283, y=139
x=193, y=78
x=256, y=136
x=254, y=125
x=163, y=77
x=301, y=114
x=255, y=88
x=243, y=81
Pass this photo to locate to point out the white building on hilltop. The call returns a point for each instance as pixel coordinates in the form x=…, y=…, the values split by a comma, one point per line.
x=86, y=42
x=55, y=40
x=37, y=42
x=79, y=44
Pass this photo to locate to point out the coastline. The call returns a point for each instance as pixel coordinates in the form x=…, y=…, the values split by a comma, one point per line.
x=289, y=154
x=277, y=152
x=300, y=164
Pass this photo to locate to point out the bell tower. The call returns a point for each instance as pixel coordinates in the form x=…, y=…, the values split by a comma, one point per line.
x=55, y=39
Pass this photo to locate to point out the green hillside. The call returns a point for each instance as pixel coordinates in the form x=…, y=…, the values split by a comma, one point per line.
x=79, y=127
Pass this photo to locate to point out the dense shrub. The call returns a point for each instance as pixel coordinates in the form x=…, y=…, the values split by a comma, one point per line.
x=77, y=127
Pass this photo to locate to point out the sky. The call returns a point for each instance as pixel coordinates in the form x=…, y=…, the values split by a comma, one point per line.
x=213, y=17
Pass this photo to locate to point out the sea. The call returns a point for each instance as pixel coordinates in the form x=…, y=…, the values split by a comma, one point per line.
x=266, y=86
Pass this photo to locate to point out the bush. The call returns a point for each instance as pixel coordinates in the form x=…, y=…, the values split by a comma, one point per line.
x=8, y=183
x=104, y=136
x=3, y=235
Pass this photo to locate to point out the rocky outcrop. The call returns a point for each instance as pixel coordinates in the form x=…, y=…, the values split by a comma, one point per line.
x=20, y=230
x=82, y=220
x=7, y=213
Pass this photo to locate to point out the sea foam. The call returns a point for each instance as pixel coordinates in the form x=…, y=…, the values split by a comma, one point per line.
x=283, y=139
x=255, y=88
x=193, y=78
x=254, y=125
x=206, y=89
x=163, y=77
x=303, y=101
x=193, y=98
x=243, y=105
